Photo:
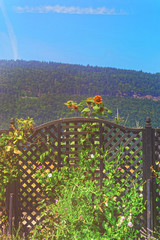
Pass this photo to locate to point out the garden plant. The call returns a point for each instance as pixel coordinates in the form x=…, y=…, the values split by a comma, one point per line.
x=81, y=210
x=73, y=205
x=9, y=152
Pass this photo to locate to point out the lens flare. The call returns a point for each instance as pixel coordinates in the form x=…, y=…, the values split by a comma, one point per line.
x=10, y=31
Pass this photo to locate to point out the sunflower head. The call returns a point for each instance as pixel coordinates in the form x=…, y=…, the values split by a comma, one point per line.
x=75, y=107
x=69, y=104
x=98, y=99
x=89, y=101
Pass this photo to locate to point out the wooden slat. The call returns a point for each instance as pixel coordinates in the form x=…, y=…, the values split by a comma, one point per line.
x=80, y=133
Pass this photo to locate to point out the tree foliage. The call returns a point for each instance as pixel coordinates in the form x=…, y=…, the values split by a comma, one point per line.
x=39, y=90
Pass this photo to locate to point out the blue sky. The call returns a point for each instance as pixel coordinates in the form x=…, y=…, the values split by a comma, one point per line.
x=109, y=33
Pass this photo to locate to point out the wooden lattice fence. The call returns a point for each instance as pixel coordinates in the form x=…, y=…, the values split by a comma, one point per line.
x=141, y=151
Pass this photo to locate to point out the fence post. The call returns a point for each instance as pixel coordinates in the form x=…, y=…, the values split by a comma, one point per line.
x=12, y=189
x=11, y=198
x=148, y=146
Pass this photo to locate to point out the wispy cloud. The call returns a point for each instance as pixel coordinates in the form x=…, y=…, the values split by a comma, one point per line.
x=69, y=10
x=10, y=31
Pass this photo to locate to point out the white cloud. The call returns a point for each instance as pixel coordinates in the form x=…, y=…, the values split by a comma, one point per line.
x=10, y=31
x=69, y=10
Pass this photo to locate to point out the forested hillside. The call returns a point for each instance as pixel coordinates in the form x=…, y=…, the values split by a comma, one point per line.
x=39, y=90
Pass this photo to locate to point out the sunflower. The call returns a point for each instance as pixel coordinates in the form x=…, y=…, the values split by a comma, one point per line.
x=98, y=99
x=75, y=107
x=89, y=100
x=69, y=104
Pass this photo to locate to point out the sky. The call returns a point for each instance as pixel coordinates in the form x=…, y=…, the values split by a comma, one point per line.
x=107, y=33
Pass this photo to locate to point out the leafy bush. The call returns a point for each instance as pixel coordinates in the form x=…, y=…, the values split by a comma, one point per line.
x=9, y=152
x=80, y=209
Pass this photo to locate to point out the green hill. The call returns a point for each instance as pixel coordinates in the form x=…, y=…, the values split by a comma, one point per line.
x=39, y=90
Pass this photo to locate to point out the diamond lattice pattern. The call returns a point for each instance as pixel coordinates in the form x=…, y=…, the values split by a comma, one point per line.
x=61, y=138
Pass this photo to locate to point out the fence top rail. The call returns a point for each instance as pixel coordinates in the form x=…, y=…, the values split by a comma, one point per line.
x=84, y=120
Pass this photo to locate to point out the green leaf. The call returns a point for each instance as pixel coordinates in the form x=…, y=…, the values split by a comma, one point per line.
x=19, y=137
x=109, y=112
x=80, y=107
x=86, y=110
x=96, y=108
